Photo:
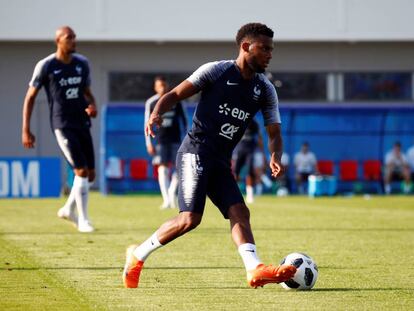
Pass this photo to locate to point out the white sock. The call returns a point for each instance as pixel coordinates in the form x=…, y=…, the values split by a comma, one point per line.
x=172, y=189
x=146, y=248
x=387, y=188
x=249, y=194
x=163, y=181
x=248, y=253
x=81, y=190
x=70, y=202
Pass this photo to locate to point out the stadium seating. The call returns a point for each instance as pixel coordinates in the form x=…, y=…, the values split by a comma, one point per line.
x=348, y=170
x=138, y=169
x=325, y=167
x=372, y=175
x=372, y=170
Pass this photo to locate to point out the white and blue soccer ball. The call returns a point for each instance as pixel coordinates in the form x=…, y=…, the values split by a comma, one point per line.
x=306, y=273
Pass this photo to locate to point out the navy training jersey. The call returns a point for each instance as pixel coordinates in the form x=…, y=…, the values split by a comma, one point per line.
x=227, y=104
x=64, y=85
x=169, y=131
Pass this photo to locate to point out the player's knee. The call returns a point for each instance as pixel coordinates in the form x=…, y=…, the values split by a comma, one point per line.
x=81, y=172
x=189, y=221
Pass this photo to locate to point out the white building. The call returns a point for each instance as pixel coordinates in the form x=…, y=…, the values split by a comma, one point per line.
x=316, y=44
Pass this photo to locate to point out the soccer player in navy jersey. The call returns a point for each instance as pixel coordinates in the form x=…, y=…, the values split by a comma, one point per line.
x=232, y=92
x=168, y=140
x=65, y=76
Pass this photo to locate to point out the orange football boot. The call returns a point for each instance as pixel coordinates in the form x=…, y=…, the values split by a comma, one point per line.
x=263, y=274
x=132, y=268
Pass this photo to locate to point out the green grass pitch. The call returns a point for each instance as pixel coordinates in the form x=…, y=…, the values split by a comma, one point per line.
x=364, y=249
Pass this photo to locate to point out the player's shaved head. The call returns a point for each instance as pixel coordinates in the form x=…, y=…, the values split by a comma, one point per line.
x=61, y=31
x=65, y=39
x=253, y=30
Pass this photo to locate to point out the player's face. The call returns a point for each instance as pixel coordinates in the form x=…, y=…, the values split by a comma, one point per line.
x=260, y=53
x=160, y=87
x=67, y=41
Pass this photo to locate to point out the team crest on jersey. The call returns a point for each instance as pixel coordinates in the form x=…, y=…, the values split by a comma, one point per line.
x=257, y=91
x=78, y=69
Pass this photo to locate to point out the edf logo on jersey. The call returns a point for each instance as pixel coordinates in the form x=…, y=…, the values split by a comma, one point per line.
x=228, y=130
x=235, y=112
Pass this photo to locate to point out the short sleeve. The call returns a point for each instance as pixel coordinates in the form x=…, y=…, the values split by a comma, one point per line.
x=270, y=109
x=38, y=77
x=208, y=73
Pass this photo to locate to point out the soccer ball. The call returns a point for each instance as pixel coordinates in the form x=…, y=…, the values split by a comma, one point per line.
x=306, y=273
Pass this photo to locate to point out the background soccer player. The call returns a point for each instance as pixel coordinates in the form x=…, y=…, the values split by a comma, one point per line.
x=168, y=140
x=245, y=156
x=232, y=92
x=66, y=79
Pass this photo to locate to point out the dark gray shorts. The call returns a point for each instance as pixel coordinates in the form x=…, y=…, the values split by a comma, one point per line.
x=77, y=147
x=165, y=153
x=201, y=176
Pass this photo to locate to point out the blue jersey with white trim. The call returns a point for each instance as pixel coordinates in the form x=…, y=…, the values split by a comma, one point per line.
x=227, y=105
x=64, y=85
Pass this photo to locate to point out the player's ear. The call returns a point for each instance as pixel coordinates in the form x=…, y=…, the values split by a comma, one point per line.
x=245, y=46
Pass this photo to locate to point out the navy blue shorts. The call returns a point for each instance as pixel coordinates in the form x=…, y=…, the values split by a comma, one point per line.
x=201, y=176
x=165, y=153
x=77, y=147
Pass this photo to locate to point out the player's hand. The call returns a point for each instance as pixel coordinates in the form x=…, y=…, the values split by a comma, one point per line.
x=276, y=167
x=154, y=120
x=151, y=150
x=91, y=111
x=28, y=140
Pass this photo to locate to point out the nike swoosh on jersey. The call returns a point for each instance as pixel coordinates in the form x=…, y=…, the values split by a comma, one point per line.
x=56, y=72
x=231, y=83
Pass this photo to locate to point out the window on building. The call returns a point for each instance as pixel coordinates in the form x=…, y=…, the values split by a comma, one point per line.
x=378, y=86
x=138, y=86
x=301, y=86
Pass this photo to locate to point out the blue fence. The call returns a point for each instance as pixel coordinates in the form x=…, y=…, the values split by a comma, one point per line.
x=334, y=133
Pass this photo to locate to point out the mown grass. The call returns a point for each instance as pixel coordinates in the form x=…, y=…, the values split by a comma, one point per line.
x=363, y=247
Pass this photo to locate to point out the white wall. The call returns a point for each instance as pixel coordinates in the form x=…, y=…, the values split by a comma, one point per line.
x=213, y=20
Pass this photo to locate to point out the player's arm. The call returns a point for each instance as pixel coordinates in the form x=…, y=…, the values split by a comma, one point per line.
x=275, y=148
x=148, y=142
x=91, y=109
x=183, y=116
x=28, y=139
x=184, y=90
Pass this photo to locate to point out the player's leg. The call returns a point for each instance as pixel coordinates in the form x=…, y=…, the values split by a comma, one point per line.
x=407, y=179
x=172, y=190
x=81, y=189
x=77, y=148
x=225, y=194
x=69, y=144
x=88, y=176
x=163, y=174
x=191, y=198
x=250, y=178
x=389, y=168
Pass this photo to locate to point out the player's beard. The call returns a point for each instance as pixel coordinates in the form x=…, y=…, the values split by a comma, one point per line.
x=254, y=65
